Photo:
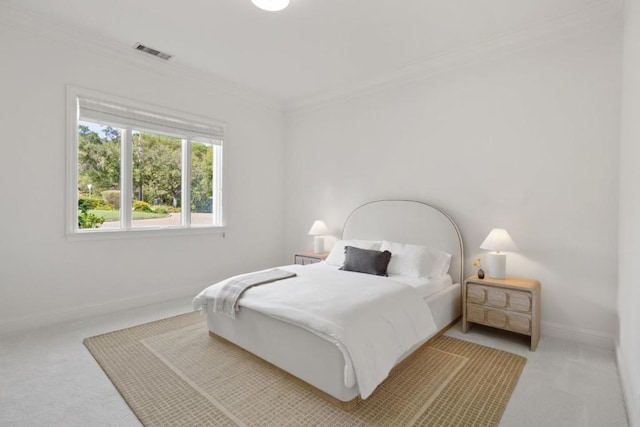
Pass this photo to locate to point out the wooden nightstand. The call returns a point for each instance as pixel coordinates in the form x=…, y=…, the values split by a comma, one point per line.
x=309, y=257
x=512, y=304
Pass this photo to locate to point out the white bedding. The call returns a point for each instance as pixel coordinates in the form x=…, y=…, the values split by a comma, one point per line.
x=425, y=286
x=373, y=320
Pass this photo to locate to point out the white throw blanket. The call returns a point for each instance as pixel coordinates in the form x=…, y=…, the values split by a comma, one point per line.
x=373, y=320
x=226, y=301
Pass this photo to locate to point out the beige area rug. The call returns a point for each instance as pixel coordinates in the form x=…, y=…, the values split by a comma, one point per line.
x=172, y=373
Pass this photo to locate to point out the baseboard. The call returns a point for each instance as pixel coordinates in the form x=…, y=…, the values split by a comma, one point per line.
x=26, y=323
x=630, y=400
x=584, y=336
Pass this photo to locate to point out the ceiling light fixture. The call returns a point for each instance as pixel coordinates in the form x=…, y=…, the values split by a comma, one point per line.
x=271, y=5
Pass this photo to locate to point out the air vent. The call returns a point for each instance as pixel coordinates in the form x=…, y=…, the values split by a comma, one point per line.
x=150, y=51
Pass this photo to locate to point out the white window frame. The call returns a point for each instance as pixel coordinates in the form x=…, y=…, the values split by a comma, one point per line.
x=126, y=172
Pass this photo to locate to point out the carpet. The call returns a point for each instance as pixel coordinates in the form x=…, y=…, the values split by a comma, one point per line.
x=172, y=373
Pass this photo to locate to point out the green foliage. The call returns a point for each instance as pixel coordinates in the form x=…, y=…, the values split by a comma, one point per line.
x=140, y=206
x=108, y=215
x=115, y=215
x=93, y=203
x=157, y=168
x=86, y=203
x=112, y=198
x=166, y=209
x=161, y=209
x=202, y=205
x=98, y=159
x=201, y=177
x=87, y=219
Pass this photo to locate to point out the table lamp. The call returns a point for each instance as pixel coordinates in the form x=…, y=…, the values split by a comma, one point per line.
x=318, y=229
x=497, y=241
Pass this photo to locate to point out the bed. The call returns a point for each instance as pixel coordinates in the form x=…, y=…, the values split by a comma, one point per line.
x=319, y=363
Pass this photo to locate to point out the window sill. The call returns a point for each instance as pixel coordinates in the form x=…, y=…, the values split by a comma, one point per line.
x=145, y=233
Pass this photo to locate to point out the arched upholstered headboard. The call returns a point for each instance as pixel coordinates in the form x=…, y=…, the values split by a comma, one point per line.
x=408, y=221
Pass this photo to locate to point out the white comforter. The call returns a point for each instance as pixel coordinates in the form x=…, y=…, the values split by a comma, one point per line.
x=373, y=320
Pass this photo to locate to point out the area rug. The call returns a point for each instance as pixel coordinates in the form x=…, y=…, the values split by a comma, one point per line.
x=172, y=373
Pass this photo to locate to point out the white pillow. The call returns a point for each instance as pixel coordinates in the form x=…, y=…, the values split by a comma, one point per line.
x=336, y=256
x=416, y=261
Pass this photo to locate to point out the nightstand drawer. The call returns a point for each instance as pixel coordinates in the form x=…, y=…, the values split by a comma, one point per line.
x=304, y=260
x=309, y=257
x=519, y=323
x=476, y=313
x=487, y=316
x=499, y=297
x=476, y=294
x=520, y=301
x=497, y=318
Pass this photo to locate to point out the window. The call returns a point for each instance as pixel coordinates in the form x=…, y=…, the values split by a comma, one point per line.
x=164, y=167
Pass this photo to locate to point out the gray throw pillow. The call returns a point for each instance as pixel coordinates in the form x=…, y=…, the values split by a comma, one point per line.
x=366, y=261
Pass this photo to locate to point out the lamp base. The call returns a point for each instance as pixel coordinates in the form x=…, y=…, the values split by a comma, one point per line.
x=318, y=244
x=497, y=264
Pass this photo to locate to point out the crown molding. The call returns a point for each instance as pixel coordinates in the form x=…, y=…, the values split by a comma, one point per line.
x=40, y=25
x=596, y=15
x=593, y=16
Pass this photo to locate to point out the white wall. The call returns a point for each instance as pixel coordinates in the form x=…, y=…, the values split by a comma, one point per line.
x=527, y=141
x=629, y=238
x=41, y=272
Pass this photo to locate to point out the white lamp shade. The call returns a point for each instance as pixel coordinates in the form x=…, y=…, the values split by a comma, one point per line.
x=319, y=228
x=498, y=240
x=271, y=5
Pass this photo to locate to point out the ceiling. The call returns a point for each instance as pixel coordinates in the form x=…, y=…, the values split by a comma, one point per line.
x=311, y=47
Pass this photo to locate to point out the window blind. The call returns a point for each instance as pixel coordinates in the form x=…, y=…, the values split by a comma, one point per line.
x=113, y=114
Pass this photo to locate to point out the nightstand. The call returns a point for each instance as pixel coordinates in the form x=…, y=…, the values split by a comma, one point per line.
x=309, y=257
x=512, y=304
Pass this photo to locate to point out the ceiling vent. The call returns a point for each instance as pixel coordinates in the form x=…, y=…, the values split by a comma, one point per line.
x=150, y=51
